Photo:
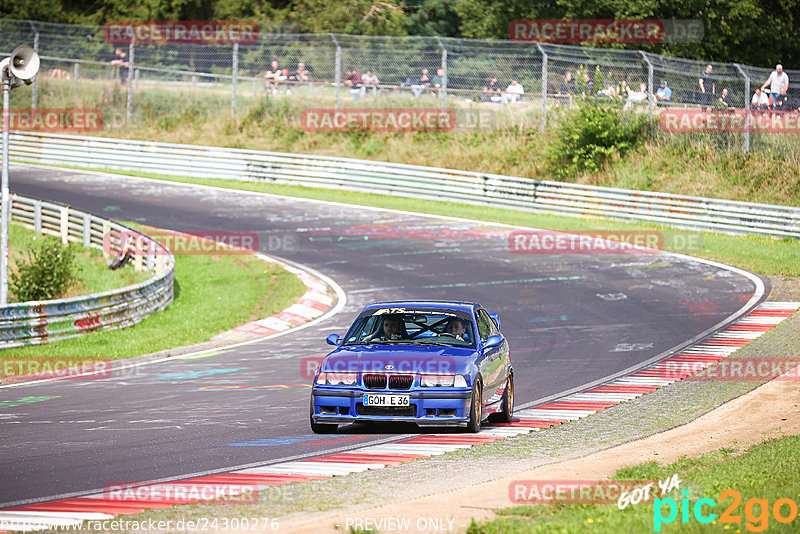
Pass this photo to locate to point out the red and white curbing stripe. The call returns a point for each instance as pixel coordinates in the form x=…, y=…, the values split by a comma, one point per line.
x=672, y=369
x=71, y=512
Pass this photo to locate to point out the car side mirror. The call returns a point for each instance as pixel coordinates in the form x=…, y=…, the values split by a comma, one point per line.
x=492, y=341
x=333, y=339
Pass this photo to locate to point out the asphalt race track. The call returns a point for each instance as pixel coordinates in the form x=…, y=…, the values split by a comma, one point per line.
x=570, y=319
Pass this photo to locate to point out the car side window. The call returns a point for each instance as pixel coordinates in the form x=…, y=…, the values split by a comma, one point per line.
x=484, y=325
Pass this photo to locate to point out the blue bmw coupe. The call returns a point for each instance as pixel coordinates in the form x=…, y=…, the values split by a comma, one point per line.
x=426, y=362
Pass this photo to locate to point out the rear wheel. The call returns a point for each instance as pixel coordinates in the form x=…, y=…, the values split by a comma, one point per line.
x=320, y=428
x=506, y=414
x=476, y=408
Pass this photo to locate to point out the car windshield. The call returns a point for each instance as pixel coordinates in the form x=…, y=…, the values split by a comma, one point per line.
x=412, y=327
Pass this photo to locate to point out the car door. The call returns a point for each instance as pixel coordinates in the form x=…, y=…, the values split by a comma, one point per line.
x=493, y=361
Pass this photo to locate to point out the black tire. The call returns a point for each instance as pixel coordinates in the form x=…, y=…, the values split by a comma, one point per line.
x=506, y=414
x=476, y=408
x=320, y=428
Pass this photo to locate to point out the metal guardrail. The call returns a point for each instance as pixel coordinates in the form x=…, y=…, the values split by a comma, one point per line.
x=430, y=183
x=28, y=323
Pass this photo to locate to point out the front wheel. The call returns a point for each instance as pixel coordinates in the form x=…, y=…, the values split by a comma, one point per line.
x=476, y=408
x=506, y=414
x=320, y=428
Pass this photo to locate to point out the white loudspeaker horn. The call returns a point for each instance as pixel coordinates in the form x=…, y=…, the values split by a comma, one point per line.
x=24, y=62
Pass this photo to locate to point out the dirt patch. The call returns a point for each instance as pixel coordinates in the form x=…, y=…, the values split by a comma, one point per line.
x=767, y=412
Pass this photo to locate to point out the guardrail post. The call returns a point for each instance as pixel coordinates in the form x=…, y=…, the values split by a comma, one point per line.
x=138, y=253
x=746, y=107
x=64, y=225
x=650, y=96
x=129, y=106
x=150, y=258
x=544, y=86
x=106, y=232
x=234, y=77
x=75, y=70
x=87, y=229
x=37, y=216
x=338, y=69
x=34, y=92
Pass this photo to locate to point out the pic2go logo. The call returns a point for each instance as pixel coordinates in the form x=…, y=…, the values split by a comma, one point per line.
x=756, y=521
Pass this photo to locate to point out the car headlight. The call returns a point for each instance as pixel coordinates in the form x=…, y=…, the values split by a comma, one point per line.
x=337, y=379
x=460, y=381
x=432, y=381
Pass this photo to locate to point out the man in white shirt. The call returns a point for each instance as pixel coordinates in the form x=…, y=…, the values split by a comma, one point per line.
x=776, y=81
x=760, y=100
x=513, y=92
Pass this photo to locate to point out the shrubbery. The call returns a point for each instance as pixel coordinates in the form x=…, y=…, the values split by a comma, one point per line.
x=46, y=273
x=592, y=132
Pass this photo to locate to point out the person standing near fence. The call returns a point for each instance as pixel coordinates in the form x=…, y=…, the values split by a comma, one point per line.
x=707, y=87
x=120, y=60
x=776, y=81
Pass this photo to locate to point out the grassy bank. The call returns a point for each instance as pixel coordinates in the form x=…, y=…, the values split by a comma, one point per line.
x=93, y=275
x=759, y=473
x=213, y=293
x=692, y=164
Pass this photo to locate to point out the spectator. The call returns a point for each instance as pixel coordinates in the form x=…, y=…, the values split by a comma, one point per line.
x=663, y=93
x=300, y=75
x=370, y=79
x=120, y=59
x=707, y=86
x=781, y=102
x=514, y=91
x=760, y=100
x=776, y=80
x=353, y=80
x=588, y=85
x=492, y=92
x=568, y=85
x=439, y=80
x=724, y=99
x=636, y=96
x=423, y=83
x=60, y=74
x=273, y=75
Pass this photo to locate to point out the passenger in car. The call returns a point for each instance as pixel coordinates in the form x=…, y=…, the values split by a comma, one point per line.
x=394, y=328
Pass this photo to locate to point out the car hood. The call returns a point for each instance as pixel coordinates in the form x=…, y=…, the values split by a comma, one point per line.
x=416, y=359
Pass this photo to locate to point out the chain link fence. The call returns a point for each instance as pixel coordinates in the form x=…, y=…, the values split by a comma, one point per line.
x=166, y=83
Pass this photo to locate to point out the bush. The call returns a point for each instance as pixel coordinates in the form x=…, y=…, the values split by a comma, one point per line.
x=591, y=133
x=46, y=273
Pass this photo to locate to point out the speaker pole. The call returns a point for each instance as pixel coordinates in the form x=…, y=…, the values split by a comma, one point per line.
x=6, y=200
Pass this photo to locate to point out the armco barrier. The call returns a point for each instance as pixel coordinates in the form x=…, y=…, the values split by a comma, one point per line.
x=413, y=181
x=27, y=323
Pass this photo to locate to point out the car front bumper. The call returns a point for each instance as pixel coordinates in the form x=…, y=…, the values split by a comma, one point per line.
x=438, y=407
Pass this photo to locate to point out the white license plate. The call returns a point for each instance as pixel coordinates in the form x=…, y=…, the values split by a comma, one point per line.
x=387, y=400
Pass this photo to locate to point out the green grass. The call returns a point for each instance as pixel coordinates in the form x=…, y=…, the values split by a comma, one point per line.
x=759, y=254
x=93, y=276
x=212, y=294
x=763, y=471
